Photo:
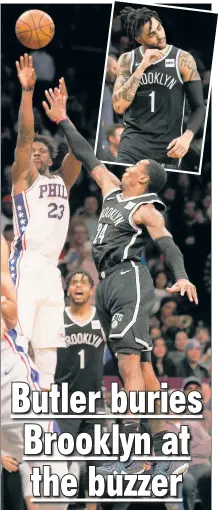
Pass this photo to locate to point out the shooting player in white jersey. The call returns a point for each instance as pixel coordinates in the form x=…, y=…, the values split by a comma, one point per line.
x=41, y=219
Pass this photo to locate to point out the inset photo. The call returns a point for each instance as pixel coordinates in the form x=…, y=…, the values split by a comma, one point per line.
x=155, y=101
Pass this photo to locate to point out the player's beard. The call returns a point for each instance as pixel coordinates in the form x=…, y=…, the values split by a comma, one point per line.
x=156, y=47
x=78, y=303
x=43, y=169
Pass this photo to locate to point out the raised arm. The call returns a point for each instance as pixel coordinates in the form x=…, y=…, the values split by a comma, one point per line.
x=8, y=295
x=70, y=168
x=81, y=149
x=194, y=91
x=153, y=220
x=24, y=173
x=126, y=85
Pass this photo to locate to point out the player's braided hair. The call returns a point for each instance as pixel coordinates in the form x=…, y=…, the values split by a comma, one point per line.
x=49, y=142
x=134, y=20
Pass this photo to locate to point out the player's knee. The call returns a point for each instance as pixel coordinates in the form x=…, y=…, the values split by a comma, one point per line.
x=129, y=364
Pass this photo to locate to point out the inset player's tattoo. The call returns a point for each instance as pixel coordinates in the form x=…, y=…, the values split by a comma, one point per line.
x=126, y=85
x=188, y=67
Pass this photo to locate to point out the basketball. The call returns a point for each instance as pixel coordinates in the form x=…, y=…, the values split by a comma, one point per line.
x=35, y=29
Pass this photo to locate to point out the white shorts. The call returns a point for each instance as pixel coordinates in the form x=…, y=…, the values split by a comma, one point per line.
x=17, y=367
x=45, y=361
x=40, y=298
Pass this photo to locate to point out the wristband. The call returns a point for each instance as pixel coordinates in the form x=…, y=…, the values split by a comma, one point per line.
x=27, y=89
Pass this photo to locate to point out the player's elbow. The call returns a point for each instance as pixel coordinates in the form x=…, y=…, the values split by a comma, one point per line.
x=118, y=107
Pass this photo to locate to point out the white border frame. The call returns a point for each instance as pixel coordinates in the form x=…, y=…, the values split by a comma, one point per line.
x=160, y=4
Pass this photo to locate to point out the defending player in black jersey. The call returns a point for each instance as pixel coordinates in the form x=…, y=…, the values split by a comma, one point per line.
x=149, y=91
x=125, y=295
x=80, y=364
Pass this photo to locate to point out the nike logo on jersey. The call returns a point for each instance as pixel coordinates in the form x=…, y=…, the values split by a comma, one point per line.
x=137, y=64
x=110, y=198
x=124, y=272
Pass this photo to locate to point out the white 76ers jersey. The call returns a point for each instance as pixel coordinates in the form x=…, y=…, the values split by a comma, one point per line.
x=41, y=219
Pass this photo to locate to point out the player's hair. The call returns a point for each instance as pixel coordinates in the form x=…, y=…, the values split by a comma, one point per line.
x=158, y=176
x=49, y=142
x=135, y=19
x=110, y=131
x=83, y=273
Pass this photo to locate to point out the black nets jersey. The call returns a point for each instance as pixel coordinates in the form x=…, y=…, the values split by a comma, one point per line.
x=118, y=238
x=157, y=111
x=80, y=364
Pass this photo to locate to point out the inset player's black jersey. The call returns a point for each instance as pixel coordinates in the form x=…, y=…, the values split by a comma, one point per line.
x=118, y=238
x=81, y=362
x=156, y=114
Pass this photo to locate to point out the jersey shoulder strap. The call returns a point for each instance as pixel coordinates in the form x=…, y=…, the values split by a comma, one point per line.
x=67, y=319
x=136, y=58
x=147, y=198
x=112, y=194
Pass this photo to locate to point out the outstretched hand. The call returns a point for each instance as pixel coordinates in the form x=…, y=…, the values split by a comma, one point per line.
x=184, y=287
x=56, y=110
x=25, y=72
x=63, y=88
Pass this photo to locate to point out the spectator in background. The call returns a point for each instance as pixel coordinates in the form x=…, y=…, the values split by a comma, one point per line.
x=107, y=113
x=199, y=466
x=9, y=235
x=44, y=66
x=113, y=134
x=181, y=341
x=7, y=212
x=190, y=365
x=163, y=366
x=160, y=284
x=84, y=261
x=155, y=332
x=39, y=124
x=8, y=180
x=169, y=315
x=77, y=237
x=202, y=334
x=90, y=215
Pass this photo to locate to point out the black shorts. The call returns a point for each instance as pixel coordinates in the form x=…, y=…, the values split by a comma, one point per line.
x=133, y=148
x=168, y=163
x=124, y=300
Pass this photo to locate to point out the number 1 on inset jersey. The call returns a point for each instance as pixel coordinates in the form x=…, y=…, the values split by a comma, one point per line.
x=152, y=94
x=81, y=354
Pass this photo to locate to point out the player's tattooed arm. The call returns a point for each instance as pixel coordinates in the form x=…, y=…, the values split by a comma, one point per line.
x=178, y=147
x=125, y=86
x=24, y=172
x=188, y=67
x=8, y=294
x=70, y=168
x=153, y=220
